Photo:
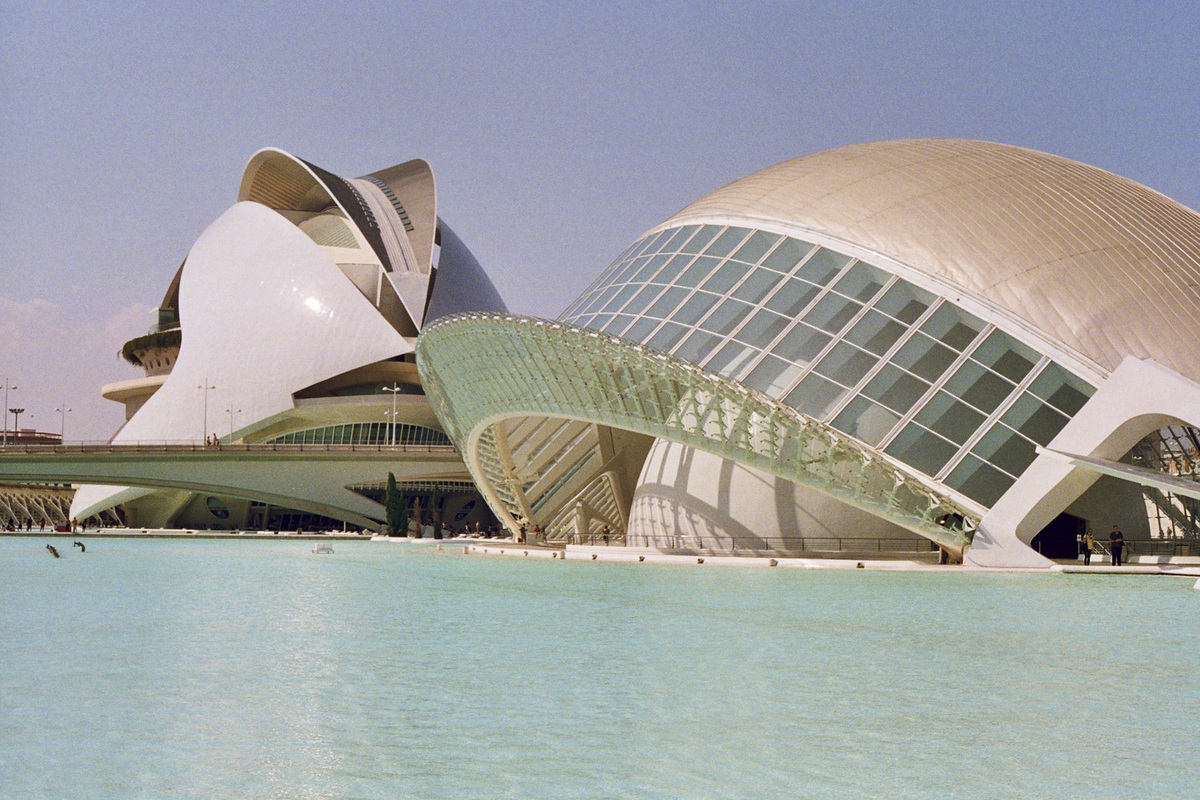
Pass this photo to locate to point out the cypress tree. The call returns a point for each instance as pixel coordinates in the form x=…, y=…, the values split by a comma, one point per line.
x=393, y=505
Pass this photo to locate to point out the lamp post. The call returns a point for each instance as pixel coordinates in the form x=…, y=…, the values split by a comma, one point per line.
x=16, y=412
x=395, y=390
x=205, y=386
x=7, y=387
x=231, y=411
x=62, y=423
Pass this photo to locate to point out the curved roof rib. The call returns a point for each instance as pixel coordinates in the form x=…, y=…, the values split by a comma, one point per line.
x=482, y=370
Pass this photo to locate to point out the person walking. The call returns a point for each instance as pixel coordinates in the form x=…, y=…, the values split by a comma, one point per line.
x=1116, y=542
x=1089, y=544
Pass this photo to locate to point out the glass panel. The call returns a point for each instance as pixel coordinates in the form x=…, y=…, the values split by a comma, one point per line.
x=875, y=332
x=628, y=270
x=725, y=243
x=924, y=357
x=822, y=266
x=895, y=389
x=696, y=307
x=983, y=389
x=697, y=271
x=846, y=364
x=599, y=321
x=698, y=347
x=772, y=376
x=679, y=238
x=659, y=240
x=949, y=418
x=1005, y=355
x=865, y=420
x=730, y=359
x=1062, y=389
x=618, y=323
x=792, y=297
x=1034, y=419
x=862, y=282
x=787, y=255
x=652, y=266
x=814, y=396
x=663, y=307
x=801, y=345
x=905, y=302
x=725, y=277
x=697, y=242
x=832, y=312
x=622, y=297
x=756, y=246
x=671, y=271
x=921, y=449
x=640, y=330
x=667, y=336
x=952, y=326
x=979, y=481
x=1006, y=450
x=726, y=316
x=602, y=300
x=643, y=298
x=756, y=286
x=762, y=328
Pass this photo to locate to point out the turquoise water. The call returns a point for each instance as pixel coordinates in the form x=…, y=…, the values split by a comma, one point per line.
x=255, y=669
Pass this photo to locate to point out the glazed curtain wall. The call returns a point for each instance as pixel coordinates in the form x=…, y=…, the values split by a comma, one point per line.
x=844, y=342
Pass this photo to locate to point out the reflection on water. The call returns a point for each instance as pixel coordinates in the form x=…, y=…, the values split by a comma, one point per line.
x=257, y=669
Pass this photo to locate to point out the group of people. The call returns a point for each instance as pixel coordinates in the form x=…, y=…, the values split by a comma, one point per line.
x=1116, y=546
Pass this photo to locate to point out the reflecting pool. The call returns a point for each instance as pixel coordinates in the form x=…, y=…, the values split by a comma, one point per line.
x=256, y=669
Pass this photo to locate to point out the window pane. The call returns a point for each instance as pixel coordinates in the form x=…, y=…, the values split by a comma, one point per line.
x=862, y=282
x=652, y=266
x=756, y=286
x=698, y=347
x=725, y=277
x=618, y=323
x=949, y=418
x=772, y=376
x=822, y=266
x=921, y=449
x=696, y=307
x=665, y=304
x=1005, y=355
x=697, y=242
x=792, y=297
x=762, y=328
x=801, y=345
x=895, y=389
x=671, y=271
x=979, y=481
x=787, y=255
x=730, y=359
x=1034, y=419
x=846, y=364
x=726, y=316
x=952, y=326
x=725, y=243
x=640, y=330
x=982, y=389
x=662, y=238
x=622, y=297
x=1063, y=390
x=875, y=332
x=832, y=313
x=905, y=302
x=756, y=246
x=924, y=357
x=814, y=396
x=866, y=421
x=667, y=336
x=643, y=298
x=698, y=271
x=1006, y=450
x=681, y=236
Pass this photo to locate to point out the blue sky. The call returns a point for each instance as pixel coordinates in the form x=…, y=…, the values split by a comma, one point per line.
x=557, y=132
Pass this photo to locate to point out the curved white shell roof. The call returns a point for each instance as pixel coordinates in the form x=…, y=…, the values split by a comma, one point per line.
x=1104, y=265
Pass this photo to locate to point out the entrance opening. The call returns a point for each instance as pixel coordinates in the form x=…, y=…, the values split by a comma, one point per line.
x=1060, y=539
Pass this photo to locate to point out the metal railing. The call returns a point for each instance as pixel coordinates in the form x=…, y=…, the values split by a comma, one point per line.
x=98, y=447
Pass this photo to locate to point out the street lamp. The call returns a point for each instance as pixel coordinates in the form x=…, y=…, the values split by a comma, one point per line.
x=231, y=411
x=205, y=386
x=395, y=390
x=16, y=412
x=62, y=425
x=7, y=386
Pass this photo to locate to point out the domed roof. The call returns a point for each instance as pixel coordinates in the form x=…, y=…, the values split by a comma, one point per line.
x=1104, y=265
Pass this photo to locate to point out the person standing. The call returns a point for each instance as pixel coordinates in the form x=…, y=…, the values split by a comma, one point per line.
x=1116, y=542
x=1089, y=544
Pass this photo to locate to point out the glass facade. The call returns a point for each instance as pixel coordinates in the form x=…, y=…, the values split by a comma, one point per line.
x=367, y=433
x=844, y=342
